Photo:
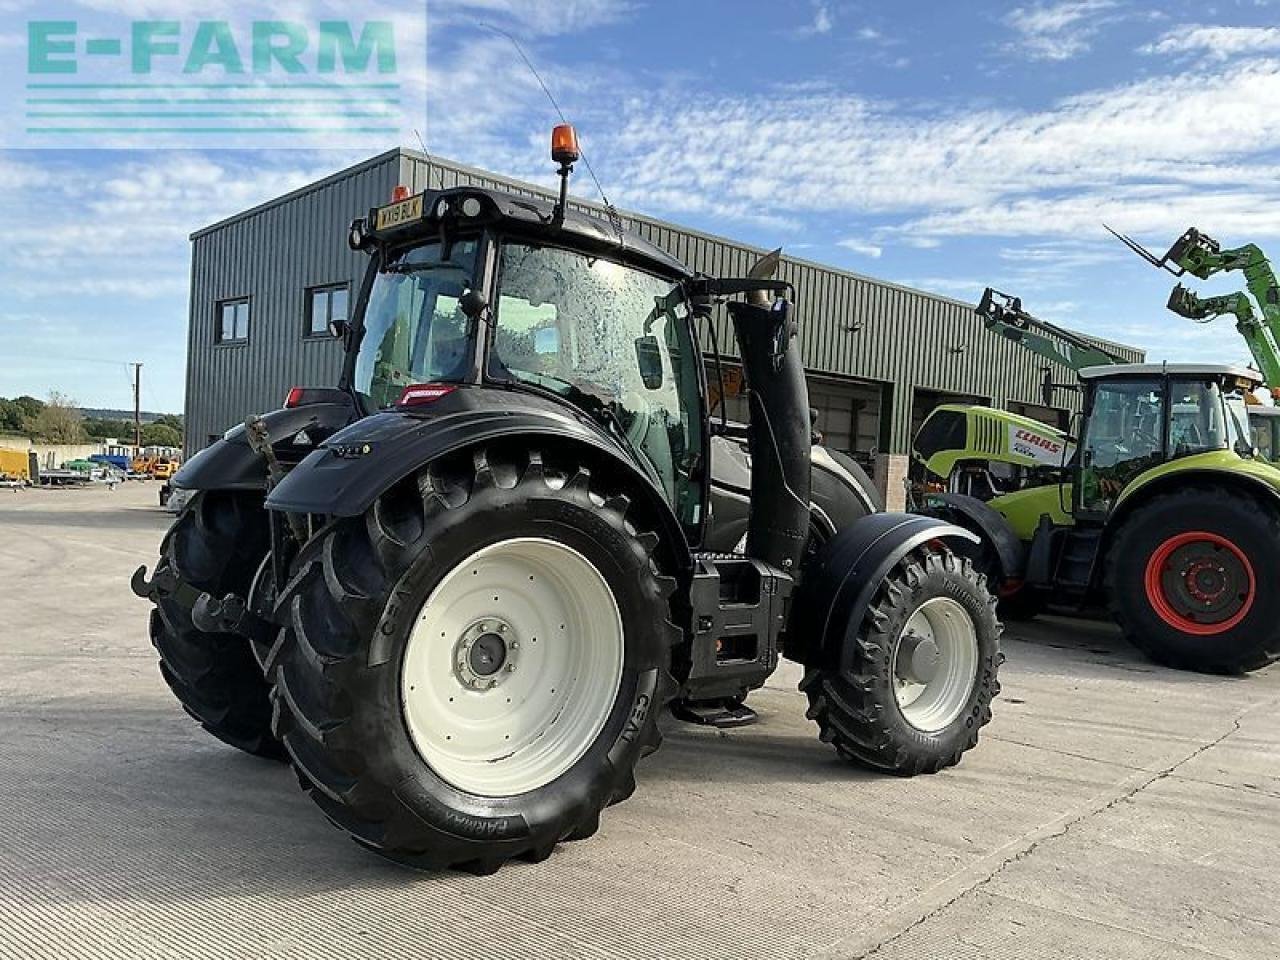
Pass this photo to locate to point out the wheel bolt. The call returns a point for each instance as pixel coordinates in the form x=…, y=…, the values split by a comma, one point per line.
x=511, y=668
x=502, y=628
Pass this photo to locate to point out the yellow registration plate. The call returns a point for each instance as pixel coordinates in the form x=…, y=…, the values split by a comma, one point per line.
x=397, y=213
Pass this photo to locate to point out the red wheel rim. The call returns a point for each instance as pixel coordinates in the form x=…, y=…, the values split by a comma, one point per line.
x=1200, y=583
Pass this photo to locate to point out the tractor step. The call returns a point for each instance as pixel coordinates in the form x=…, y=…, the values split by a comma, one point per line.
x=739, y=607
x=722, y=714
x=1079, y=550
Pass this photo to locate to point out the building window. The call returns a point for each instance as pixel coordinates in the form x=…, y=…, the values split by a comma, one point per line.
x=325, y=305
x=233, y=321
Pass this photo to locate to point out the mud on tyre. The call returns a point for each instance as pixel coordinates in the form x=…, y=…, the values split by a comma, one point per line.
x=425, y=681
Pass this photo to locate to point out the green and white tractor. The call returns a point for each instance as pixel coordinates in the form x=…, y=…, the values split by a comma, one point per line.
x=1159, y=508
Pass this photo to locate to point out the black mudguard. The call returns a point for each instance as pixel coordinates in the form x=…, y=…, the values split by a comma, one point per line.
x=839, y=587
x=981, y=519
x=356, y=465
x=230, y=463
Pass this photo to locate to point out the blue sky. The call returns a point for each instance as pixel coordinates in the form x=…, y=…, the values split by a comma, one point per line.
x=946, y=146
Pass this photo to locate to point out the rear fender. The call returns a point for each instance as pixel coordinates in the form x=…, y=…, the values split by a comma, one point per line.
x=231, y=464
x=839, y=587
x=987, y=523
x=358, y=464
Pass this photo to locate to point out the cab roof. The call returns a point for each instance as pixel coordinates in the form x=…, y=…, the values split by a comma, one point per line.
x=1132, y=370
x=534, y=216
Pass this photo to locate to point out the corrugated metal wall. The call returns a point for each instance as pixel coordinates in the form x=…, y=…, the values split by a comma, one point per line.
x=272, y=255
x=850, y=325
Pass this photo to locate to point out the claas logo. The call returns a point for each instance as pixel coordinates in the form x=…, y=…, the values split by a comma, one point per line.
x=1044, y=443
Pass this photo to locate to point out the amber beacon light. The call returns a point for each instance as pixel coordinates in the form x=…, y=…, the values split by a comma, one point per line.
x=564, y=144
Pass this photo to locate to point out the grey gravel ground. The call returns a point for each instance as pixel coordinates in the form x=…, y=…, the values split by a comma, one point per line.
x=1113, y=809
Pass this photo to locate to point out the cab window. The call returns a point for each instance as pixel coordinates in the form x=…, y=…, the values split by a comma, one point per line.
x=613, y=340
x=1123, y=439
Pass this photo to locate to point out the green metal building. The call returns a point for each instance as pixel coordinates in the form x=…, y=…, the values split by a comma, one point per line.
x=265, y=282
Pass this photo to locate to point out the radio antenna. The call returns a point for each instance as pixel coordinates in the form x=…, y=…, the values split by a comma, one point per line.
x=431, y=162
x=614, y=217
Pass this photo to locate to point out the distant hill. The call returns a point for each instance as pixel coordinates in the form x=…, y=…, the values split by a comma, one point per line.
x=96, y=413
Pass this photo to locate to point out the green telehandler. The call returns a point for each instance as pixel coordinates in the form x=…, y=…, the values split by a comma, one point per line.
x=1203, y=257
x=1158, y=508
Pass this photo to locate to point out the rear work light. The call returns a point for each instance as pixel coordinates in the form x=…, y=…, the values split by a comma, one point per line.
x=420, y=394
x=295, y=396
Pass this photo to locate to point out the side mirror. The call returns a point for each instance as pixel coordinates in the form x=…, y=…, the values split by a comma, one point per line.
x=338, y=329
x=649, y=361
x=473, y=304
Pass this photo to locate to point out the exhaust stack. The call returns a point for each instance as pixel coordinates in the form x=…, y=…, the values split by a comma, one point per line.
x=779, y=432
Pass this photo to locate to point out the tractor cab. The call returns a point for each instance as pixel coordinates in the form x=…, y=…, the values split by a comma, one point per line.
x=1138, y=417
x=470, y=288
x=1264, y=429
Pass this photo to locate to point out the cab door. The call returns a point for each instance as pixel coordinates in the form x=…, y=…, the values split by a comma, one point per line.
x=1124, y=436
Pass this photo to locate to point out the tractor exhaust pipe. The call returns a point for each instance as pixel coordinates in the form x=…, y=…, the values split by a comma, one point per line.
x=779, y=432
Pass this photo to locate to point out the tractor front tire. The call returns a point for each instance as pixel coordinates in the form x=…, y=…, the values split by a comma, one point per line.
x=922, y=671
x=215, y=545
x=469, y=672
x=1188, y=574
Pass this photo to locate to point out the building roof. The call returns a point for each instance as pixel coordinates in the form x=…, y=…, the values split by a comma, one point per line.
x=581, y=204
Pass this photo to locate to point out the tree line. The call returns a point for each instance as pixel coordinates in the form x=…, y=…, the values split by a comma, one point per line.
x=59, y=419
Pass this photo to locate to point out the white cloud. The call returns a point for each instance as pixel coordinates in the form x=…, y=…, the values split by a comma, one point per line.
x=1216, y=43
x=1057, y=31
x=542, y=17
x=1155, y=154
x=872, y=250
x=823, y=19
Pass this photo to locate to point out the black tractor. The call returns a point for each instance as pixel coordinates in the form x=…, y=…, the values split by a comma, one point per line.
x=456, y=591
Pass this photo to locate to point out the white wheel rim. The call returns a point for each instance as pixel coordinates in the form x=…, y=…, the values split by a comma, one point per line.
x=935, y=664
x=558, y=667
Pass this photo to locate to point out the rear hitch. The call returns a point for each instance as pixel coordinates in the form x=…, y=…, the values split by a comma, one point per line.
x=163, y=585
x=212, y=615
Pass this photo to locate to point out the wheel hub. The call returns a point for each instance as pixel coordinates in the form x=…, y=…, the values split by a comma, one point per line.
x=1200, y=583
x=485, y=655
x=918, y=658
x=512, y=667
x=935, y=664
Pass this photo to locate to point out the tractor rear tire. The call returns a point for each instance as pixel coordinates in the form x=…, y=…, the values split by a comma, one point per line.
x=416, y=677
x=1188, y=580
x=877, y=712
x=215, y=545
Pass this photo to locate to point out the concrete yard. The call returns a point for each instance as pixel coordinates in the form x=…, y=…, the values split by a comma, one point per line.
x=1113, y=809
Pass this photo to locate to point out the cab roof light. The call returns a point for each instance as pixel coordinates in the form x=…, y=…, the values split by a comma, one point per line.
x=421, y=394
x=401, y=192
